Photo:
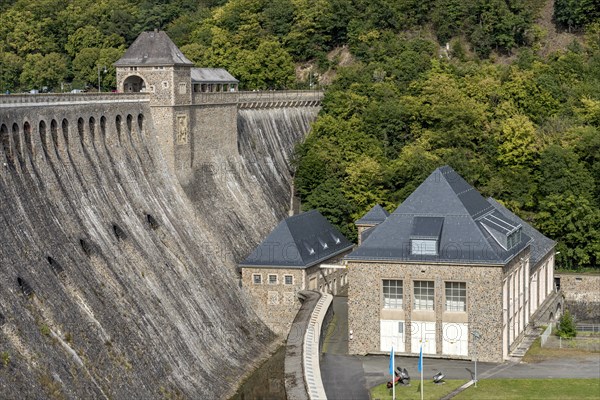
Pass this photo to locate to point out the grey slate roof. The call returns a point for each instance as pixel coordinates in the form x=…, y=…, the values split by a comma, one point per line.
x=376, y=215
x=463, y=236
x=299, y=241
x=153, y=48
x=212, y=75
x=541, y=244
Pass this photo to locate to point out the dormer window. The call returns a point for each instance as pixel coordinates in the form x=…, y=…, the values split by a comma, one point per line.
x=425, y=236
x=311, y=251
x=323, y=244
x=514, y=238
x=506, y=233
x=335, y=238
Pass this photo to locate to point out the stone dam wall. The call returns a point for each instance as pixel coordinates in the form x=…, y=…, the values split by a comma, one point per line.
x=113, y=284
x=582, y=295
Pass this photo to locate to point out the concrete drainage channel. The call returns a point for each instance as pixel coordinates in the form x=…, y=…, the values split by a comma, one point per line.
x=302, y=367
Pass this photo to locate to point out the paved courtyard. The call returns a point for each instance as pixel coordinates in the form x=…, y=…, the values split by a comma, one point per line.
x=349, y=377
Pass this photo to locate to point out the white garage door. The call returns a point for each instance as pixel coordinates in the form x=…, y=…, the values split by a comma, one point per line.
x=392, y=334
x=456, y=339
x=422, y=333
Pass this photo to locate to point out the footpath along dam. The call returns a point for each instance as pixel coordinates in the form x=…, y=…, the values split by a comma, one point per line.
x=118, y=253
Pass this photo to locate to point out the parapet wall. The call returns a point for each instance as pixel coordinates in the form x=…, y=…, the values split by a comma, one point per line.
x=31, y=125
x=261, y=99
x=70, y=99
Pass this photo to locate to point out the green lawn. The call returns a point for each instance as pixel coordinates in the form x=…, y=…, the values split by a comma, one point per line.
x=537, y=354
x=531, y=389
x=430, y=390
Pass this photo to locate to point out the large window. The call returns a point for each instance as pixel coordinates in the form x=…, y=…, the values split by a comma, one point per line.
x=424, y=295
x=456, y=296
x=423, y=247
x=392, y=293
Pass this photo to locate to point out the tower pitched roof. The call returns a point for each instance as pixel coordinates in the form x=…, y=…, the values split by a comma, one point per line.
x=299, y=241
x=212, y=75
x=467, y=228
x=153, y=48
x=374, y=216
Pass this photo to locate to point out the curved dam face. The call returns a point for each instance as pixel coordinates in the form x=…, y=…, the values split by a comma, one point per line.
x=112, y=283
x=245, y=193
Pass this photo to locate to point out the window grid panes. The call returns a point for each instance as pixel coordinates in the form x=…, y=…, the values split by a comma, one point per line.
x=423, y=247
x=424, y=295
x=456, y=296
x=288, y=279
x=392, y=293
x=272, y=279
x=257, y=279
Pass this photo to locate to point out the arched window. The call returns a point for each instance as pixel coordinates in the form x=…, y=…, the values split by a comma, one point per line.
x=103, y=127
x=141, y=122
x=134, y=84
x=5, y=140
x=80, y=124
x=119, y=123
x=17, y=143
x=129, y=122
x=65, y=130
x=44, y=137
x=28, y=138
x=54, y=131
x=92, y=124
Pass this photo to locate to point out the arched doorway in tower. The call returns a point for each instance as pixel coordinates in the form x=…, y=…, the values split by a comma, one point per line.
x=134, y=83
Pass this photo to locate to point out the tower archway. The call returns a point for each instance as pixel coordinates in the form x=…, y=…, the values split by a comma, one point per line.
x=134, y=84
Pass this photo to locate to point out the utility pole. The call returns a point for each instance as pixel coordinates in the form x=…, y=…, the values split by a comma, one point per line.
x=476, y=336
x=99, y=89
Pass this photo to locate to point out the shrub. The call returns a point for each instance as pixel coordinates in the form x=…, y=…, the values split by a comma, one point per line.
x=566, y=326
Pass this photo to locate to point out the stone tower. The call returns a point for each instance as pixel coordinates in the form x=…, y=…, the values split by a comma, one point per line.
x=153, y=64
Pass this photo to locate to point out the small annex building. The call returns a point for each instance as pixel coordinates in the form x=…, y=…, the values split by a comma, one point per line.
x=370, y=220
x=297, y=255
x=445, y=264
x=211, y=80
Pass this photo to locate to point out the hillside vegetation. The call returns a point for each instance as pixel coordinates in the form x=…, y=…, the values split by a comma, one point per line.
x=424, y=83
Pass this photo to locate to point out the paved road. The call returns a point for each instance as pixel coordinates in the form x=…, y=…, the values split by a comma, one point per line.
x=348, y=377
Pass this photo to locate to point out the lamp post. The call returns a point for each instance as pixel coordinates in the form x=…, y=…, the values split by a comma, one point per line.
x=476, y=335
x=99, y=89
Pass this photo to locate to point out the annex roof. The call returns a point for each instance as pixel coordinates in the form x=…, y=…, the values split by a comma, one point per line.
x=299, y=241
x=374, y=216
x=445, y=207
x=153, y=48
x=212, y=75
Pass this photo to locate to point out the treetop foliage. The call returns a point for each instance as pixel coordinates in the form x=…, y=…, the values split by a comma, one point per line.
x=422, y=89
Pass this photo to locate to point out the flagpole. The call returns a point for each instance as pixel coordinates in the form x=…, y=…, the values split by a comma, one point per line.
x=421, y=383
x=393, y=377
x=421, y=367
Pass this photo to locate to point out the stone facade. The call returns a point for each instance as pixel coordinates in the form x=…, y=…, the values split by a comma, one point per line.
x=484, y=306
x=582, y=295
x=276, y=302
x=580, y=287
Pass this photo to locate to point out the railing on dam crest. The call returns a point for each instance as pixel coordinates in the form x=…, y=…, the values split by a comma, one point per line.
x=49, y=99
x=261, y=99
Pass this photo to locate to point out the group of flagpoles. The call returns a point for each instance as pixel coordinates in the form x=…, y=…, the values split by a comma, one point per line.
x=393, y=367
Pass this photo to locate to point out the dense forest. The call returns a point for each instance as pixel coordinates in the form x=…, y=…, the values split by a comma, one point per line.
x=410, y=85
